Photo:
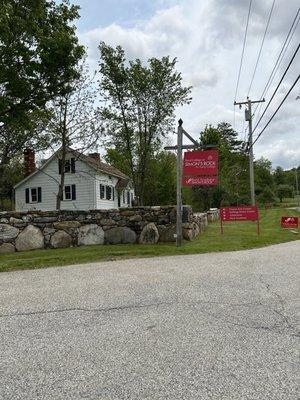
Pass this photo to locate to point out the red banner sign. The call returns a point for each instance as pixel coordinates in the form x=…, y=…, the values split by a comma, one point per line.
x=289, y=222
x=199, y=181
x=239, y=213
x=198, y=163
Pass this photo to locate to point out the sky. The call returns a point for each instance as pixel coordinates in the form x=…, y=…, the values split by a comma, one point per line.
x=206, y=37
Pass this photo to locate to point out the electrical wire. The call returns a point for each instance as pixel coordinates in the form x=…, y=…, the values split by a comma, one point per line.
x=275, y=112
x=277, y=87
x=261, y=46
x=280, y=57
x=242, y=58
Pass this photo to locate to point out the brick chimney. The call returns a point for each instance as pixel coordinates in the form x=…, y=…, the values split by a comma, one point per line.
x=29, y=161
x=95, y=156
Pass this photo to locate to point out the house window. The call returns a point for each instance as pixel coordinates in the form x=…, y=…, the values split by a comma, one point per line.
x=33, y=195
x=124, y=196
x=70, y=192
x=102, y=191
x=108, y=193
x=69, y=166
x=128, y=197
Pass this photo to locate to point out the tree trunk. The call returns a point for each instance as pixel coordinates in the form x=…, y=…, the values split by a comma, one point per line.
x=62, y=161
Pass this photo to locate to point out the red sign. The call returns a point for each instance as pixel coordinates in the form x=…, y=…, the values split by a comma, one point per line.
x=199, y=181
x=197, y=163
x=289, y=222
x=239, y=213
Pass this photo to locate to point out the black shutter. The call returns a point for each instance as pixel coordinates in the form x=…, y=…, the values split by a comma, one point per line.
x=39, y=194
x=27, y=195
x=73, y=192
x=59, y=166
x=73, y=165
x=113, y=193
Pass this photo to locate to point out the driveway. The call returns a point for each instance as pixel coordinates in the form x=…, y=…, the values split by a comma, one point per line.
x=208, y=326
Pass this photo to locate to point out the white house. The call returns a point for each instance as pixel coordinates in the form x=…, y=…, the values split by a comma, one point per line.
x=89, y=184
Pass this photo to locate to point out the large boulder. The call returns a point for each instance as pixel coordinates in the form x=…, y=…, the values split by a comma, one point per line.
x=190, y=230
x=168, y=234
x=90, y=234
x=60, y=239
x=7, y=248
x=120, y=235
x=8, y=232
x=31, y=238
x=149, y=234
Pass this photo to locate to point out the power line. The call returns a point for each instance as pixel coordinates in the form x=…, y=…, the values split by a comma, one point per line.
x=277, y=109
x=243, y=51
x=280, y=55
x=261, y=46
x=279, y=83
x=241, y=61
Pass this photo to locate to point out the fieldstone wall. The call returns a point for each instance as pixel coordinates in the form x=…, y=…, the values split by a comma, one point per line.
x=21, y=231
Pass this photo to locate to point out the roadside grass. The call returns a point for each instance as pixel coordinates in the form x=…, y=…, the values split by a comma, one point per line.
x=237, y=236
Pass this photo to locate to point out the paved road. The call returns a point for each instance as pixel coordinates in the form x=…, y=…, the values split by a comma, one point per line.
x=214, y=326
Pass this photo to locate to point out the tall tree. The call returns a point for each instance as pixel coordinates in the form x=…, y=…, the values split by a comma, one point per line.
x=39, y=51
x=74, y=121
x=140, y=101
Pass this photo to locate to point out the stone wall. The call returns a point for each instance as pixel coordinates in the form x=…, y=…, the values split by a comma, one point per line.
x=21, y=231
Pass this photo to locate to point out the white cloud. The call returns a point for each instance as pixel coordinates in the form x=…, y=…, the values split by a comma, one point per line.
x=206, y=37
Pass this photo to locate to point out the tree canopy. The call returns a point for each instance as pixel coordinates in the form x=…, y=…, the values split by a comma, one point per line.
x=140, y=100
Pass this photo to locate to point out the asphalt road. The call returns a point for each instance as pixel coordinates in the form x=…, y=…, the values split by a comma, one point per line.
x=213, y=326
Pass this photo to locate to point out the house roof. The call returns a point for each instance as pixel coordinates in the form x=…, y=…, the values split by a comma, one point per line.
x=99, y=166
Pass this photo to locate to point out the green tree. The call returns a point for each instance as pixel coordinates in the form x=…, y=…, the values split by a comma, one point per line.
x=264, y=180
x=233, y=185
x=140, y=101
x=284, y=191
x=39, y=51
x=161, y=180
x=279, y=176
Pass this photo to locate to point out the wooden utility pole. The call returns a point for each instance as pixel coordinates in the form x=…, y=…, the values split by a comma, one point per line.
x=248, y=117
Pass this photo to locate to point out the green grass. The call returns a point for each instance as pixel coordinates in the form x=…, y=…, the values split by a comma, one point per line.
x=237, y=236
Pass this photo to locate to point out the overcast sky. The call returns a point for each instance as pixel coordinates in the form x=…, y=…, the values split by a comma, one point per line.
x=206, y=36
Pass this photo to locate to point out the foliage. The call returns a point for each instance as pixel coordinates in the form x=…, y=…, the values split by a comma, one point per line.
x=161, y=180
x=139, y=107
x=12, y=174
x=233, y=176
x=266, y=195
x=39, y=51
x=284, y=191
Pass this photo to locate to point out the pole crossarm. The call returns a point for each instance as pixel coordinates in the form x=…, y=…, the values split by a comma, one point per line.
x=192, y=146
x=240, y=103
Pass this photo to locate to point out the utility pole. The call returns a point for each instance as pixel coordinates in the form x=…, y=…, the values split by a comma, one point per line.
x=297, y=186
x=248, y=117
x=179, y=185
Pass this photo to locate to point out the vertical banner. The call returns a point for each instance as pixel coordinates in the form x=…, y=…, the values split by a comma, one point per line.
x=200, y=168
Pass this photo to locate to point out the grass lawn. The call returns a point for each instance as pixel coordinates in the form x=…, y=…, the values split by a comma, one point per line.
x=237, y=236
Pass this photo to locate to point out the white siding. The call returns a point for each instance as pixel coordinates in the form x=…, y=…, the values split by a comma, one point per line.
x=48, y=180
x=109, y=180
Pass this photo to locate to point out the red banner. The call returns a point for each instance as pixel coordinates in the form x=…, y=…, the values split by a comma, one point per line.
x=289, y=222
x=199, y=181
x=239, y=213
x=198, y=163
